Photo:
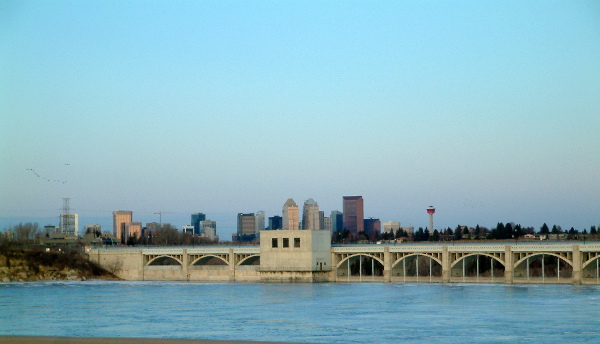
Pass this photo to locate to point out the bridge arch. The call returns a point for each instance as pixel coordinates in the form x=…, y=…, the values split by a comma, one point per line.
x=339, y=264
x=415, y=265
x=591, y=262
x=454, y=263
x=160, y=260
x=591, y=267
x=535, y=254
x=204, y=260
x=250, y=260
x=360, y=264
x=416, y=254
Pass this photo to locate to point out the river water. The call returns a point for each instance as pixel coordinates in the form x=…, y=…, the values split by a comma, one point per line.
x=317, y=313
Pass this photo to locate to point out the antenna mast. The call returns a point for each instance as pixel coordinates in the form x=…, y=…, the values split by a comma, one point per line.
x=65, y=215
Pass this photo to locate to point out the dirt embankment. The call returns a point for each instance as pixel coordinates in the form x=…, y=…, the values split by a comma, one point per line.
x=36, y=265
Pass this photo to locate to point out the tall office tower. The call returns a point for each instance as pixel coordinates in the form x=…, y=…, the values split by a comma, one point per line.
x=260, y=221
x=246, y=224
x=208, y=229
x=321, y=219
x=69, y=224
x=337, y=221
x=310, y=215
x=290, y=215
x=372, y=226
x=391, y=227
x=133, y=229
x=120, y=217
x=275, y=222
x=196, y=218
x=327, y=223
x=354, y=214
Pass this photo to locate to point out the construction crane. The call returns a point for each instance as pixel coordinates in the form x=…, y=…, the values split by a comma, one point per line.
x=159, y=213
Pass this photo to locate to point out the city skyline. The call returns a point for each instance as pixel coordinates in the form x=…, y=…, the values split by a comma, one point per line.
x=487, y=111
x=229, y=224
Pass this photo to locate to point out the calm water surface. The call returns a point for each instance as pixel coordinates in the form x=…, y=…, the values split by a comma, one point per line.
x=320, y=313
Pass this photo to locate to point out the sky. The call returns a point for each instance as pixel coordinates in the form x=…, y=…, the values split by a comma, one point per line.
x=487, y=110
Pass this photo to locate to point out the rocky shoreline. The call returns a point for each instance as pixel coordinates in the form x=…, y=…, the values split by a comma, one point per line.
x=28, y=265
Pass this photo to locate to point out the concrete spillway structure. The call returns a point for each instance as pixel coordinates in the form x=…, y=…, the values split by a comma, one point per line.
x=307, y=256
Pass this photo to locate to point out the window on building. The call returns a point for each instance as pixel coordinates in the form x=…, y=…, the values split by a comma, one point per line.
x=296, y=242
x=286, y=242
x=274, y=243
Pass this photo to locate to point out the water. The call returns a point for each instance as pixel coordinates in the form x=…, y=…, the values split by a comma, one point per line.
x=318, y=313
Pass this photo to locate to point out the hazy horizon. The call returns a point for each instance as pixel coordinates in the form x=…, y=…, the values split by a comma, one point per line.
x=488, y=111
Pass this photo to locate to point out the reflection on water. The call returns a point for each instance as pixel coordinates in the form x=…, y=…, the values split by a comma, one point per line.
x=322, y=313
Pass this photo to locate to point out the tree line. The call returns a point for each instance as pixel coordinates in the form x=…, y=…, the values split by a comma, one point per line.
x=502, y=231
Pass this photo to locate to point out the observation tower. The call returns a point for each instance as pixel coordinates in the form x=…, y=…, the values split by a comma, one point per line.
x=430, y=211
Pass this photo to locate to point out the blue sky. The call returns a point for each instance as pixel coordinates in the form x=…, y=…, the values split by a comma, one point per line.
x=489, y=111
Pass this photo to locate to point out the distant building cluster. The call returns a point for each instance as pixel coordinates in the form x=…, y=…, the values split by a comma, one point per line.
x=127, y=231
x=351, y=221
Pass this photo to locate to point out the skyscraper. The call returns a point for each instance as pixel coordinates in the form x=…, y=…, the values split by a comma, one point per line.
x=120, y=217
x=322, y=219
x=372, y=226
x=391, y=227
x=337, y=221
x=290, y=215
x=275, y=222
x=196, y=218
x=310, y=215
x=209, y=229
x=327, y=224
x=260, y=221
x=354, y=214
x=246, y=225
x=132, y=229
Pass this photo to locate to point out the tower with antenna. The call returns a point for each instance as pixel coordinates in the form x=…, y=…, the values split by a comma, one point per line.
x=69, y=223
x=430, y=211
x=64, y=221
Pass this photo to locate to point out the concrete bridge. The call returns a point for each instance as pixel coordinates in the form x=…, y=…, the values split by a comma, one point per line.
x=436, y=263
x=470, y=263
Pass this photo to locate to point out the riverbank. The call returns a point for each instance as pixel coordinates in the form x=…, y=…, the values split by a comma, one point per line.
x=23, y=265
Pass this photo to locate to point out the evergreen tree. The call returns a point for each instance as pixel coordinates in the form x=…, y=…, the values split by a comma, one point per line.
x=518, y=232
x=507, y=232
x=435, y=236
x=457, y=233
x=466, y=233
x=544, y=229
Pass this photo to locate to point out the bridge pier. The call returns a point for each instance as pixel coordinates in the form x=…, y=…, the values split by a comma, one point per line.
x=142, y=264
x=509, y=270
x=445, y=265
x=186, y=264
x=387, y=265
x=232, y=263
x=576, y=265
